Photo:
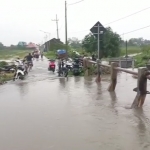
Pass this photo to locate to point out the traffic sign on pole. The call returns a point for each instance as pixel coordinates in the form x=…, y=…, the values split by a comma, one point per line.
x=94, y=30
x=98, y=31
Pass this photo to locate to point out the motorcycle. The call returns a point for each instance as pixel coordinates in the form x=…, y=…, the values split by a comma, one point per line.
x=63, y=72
x=20, y=71
x=69, y=66
x=8, y=69
x=51, y=66
x=76, y=67
x=28, y=66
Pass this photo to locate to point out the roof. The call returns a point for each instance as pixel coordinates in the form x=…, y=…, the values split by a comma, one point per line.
x=31, y=45
x=54, y=40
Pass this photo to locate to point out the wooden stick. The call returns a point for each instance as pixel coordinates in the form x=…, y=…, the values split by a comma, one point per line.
x=141, y=88
x=113, y=77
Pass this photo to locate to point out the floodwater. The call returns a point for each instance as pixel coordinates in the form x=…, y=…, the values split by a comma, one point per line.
x=45, y=112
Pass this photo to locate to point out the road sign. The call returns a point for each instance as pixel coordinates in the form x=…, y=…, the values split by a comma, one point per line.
x=94, y=30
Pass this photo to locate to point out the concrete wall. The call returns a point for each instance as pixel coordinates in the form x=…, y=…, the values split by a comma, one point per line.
x=123, y=63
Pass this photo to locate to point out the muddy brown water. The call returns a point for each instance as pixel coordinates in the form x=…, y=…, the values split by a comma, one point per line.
x=45, y=112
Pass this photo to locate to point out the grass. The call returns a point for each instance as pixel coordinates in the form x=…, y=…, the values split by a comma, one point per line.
x=142, y=59
x=130, y=50
x=50, y=54
x=6, y=77
x=9, y=54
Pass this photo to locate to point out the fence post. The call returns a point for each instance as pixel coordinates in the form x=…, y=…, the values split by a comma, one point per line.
x=113, y=77
x=86, y=66
x=141, y=88
x=98, y=78
x=132, y=63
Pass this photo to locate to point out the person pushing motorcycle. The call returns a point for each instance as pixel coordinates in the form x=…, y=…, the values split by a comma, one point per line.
x=29, y=58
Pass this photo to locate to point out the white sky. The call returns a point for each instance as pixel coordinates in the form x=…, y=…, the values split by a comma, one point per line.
x=21, y=20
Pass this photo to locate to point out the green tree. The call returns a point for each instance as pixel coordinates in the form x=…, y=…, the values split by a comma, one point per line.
x=109, y=44
x=89, y=43
x=1, y=46
x=74, y=43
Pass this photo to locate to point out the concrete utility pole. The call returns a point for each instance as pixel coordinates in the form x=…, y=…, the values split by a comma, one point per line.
x=56, y=26
x=66, y=26
x=46, y=48
x=66, y=32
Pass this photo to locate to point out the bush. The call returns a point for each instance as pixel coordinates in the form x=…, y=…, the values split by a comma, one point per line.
x=3, y=63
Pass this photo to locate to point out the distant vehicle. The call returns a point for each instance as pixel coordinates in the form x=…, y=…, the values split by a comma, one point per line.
x=36, y=53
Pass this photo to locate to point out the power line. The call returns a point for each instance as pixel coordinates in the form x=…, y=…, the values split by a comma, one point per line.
x=76, y=2
x=128, y=16
x=136, y=30
x=119, y=34
x=56, y=20
x=119, y=19
x=125, y=33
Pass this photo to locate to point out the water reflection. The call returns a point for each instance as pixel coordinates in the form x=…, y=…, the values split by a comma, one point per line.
x=99, y=94
x=114, y=99
x=142, y=128
x=23, y=88
x=88, y=81
x=62, y=82
x=88, y=84
x=77, y=79
x=77, y=107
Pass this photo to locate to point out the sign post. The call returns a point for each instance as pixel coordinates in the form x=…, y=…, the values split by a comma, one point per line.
x=98, y=79
x=96, y=30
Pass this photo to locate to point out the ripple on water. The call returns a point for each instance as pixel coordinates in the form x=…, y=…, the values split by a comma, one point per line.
x=45, y=111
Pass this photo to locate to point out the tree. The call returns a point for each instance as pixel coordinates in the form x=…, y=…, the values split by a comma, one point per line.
x=1, y=46
x=74, y=43
x=89, y=43
x=21, y=45
x=109, y=45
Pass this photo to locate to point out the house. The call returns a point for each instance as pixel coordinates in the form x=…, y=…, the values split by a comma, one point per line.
x=31, y=46
x=53, y=43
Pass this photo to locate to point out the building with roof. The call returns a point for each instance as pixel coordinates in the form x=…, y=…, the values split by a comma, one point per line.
x=53, y=44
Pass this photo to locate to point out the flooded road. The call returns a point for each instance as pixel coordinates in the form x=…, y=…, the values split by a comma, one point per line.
x=47, y=113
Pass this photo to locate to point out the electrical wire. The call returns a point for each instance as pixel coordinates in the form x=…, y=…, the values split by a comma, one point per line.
x=120, y=35
x=118, y=19
x=125, y=33
x=75, y=2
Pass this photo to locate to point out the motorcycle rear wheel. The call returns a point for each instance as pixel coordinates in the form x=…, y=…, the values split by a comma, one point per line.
x=20, y=76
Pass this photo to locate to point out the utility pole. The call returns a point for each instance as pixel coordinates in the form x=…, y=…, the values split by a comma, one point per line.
x=66, y=25
x=46, y=43
x=126, y=54
x=98, y=61
x=57, y=26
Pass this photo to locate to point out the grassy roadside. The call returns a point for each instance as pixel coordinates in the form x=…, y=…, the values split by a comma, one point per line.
x=50, y=55
x=5, y=77
x=130, y=50
x=9, y=54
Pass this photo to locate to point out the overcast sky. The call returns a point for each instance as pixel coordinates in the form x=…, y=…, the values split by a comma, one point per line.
x=21, y=20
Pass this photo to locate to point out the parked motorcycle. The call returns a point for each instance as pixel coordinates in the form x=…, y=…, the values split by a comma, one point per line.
x=76, y=67
x=20, y=71
x=69, y=66
x=51, y=66
x=8, y=69
x=63, y=72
